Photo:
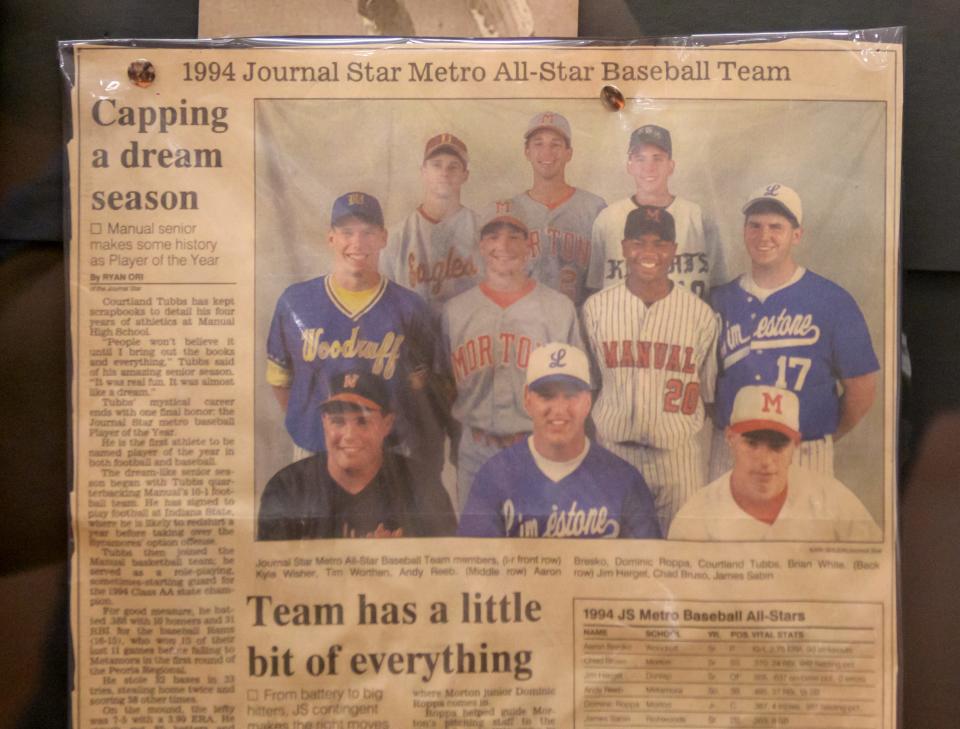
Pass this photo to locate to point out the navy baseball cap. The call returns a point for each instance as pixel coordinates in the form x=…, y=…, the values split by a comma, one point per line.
x=359, y=389
x=651, y=134
x=650, y=219
x=359, y=205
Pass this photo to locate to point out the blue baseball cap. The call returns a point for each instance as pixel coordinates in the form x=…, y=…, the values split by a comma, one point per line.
x=558, y=362
x=358, y=205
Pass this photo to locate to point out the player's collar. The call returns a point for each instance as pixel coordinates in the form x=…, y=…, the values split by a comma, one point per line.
x=752, y=287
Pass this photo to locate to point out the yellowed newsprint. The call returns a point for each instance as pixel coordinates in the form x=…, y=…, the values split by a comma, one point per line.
x=372, y=344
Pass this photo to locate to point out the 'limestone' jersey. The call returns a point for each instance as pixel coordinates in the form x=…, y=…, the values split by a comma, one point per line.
x=657, y=365
x=804, y=337
x=603, y=497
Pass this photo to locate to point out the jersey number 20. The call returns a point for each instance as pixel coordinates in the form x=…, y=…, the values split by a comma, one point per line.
x=680, y=399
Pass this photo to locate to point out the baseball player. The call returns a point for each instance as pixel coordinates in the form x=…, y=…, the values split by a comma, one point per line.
x=785, y=326
x=556, y=483
x=350, y=318
x=434, y=252
x=558, y=215
x=699, y=259
x=765, y=497
x=354, y=488
x=490, y=332
x=653, y=343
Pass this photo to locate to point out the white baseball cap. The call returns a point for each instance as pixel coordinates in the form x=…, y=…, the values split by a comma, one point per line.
x=758, y=407
x=558, y=362
x=785, y=197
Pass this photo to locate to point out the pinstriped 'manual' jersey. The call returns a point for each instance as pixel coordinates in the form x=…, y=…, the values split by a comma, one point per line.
x=657, y=365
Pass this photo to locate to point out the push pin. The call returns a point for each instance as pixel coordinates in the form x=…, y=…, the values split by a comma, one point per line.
x=612, y=98
x=141, y=73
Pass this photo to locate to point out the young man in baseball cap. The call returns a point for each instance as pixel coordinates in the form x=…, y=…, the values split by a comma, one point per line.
x=558, y=215
x=654, y=345
x=434, y=251
x=355, y=487
x=354, y=318
x=489, y=333
x=785, y=326
x=556, y=483
x=764, y=496
x=699, y=260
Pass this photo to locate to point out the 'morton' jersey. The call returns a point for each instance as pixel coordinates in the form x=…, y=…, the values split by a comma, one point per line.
x=804, y=337
x=657, y=365
x=436, y=258
x=560, y=239
x=489, y=346
x=699, y=261
x=313, y=336
x=604, y=497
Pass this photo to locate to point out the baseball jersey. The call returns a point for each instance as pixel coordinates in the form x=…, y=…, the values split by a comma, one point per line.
x=488, y=346
x=436, y=258
x=313, y=336
x=818, y=508
x=804, y=337
x=657, y=365
x=302, y=501
x=699, y=260
x=603, y=497
x=560, y=239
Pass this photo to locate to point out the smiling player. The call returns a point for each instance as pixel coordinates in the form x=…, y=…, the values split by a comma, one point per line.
x=490, y=332
x=355, y=318
x=787, y=327
x=354, y=488
x=558, y=215
x=556, y=483
x=653, y=343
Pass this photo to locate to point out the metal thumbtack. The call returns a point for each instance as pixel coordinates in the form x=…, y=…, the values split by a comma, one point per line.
x=142, y=73
x=612, y=98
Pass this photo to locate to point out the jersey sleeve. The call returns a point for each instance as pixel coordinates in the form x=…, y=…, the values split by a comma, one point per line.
x=434, y=510
x=481, y=516
x=639, y=519
x=279, y=361
x=853, y=353
x=708, y=368
x=598, y=253
x=278, y=518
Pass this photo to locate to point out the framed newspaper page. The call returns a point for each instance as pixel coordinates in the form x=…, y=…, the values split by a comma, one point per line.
x=603, y=338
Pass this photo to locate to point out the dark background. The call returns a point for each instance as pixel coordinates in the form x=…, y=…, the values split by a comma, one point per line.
x=33, y=364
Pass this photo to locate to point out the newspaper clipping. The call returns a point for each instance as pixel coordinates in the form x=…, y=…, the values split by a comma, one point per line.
x=432, y=384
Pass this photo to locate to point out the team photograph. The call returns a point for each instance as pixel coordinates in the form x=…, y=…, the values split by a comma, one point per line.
x=539, y=318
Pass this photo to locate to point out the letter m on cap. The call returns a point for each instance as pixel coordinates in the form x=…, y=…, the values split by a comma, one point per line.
x=356, y=198
x=772, y=402
x=350, y=381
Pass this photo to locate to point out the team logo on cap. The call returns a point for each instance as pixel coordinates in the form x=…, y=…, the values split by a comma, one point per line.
x=772, y=190
x=557, y=359
x=351, y=381
x=356, y=198
x=653, y=214
x=772, y=402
